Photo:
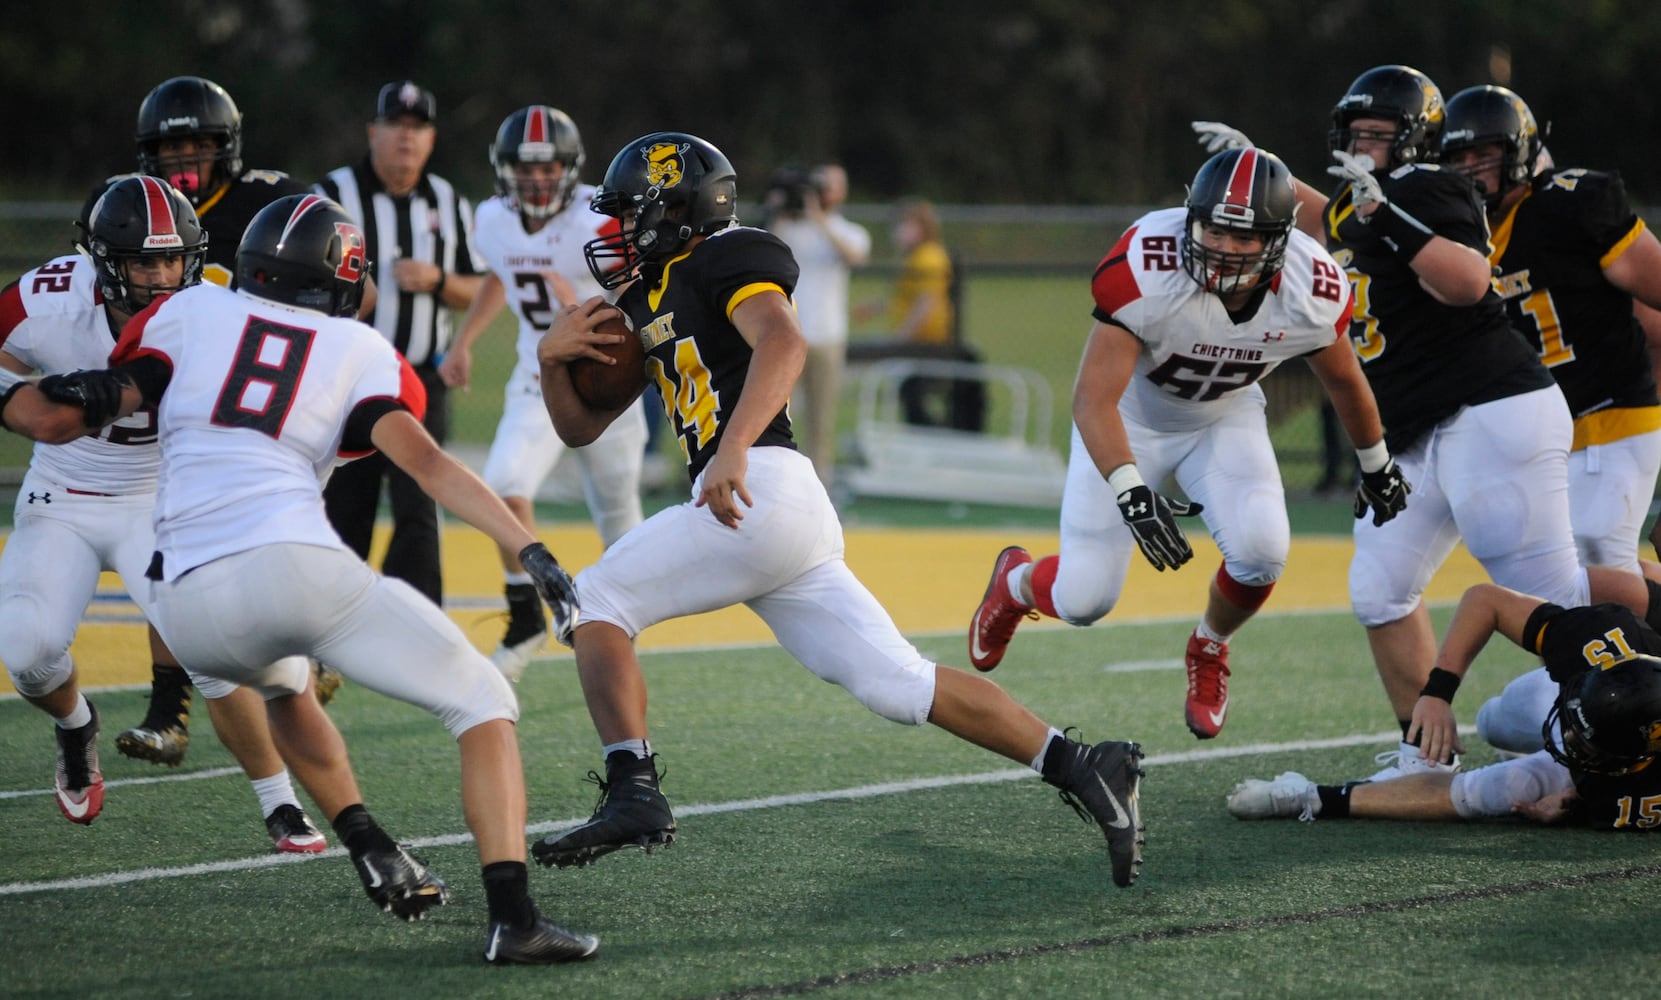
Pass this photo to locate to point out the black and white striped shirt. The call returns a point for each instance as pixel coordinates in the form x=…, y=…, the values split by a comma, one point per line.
x=432, y=223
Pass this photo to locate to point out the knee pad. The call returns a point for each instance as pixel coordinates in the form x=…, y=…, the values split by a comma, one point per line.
x=41, y=679
x=1371, y=594
x=38, y=664
x=904, y=695
x=1491, y=791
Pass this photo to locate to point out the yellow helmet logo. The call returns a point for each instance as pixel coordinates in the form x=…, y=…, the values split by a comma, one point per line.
x=663, y=163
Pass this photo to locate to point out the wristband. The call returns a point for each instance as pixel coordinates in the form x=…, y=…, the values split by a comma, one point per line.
x=438, y=289
x=1406, y=233
x=1442, y=684
x=1125, y=477
x=1373, y=457
x=6, y=395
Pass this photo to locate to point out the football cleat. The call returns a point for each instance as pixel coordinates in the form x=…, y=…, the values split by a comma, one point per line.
x=326, y=680
x=164, y=735
x=1406, y=760
x=1290, y=794
x=632, y=812
x=1207, y=703
x=527, y=631
x=542, y=943
x=78, y=782
x=1103, y=783
x=399, y=884
x=994, y=622
x=292, y=831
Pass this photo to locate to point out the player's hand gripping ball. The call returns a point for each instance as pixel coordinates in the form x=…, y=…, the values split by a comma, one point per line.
x=611, y=387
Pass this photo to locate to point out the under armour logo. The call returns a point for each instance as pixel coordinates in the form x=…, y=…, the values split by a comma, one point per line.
x=1138, y=509
x=1268, y=337
x=41, y=497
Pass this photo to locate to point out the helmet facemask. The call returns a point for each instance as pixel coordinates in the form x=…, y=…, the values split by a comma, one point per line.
x=141, y=218
x=1222, y=272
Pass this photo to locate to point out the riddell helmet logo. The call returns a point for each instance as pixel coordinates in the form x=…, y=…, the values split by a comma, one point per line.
x=664, y=168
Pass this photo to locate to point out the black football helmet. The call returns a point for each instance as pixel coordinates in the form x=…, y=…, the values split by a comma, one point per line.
x=190, y=106
x=1245, y=189
x=1610, y=718
x=304, y=250
x=1480, y=116
x=666, y=187
x=1401, y=93
x=537, y=134
x=140, y=216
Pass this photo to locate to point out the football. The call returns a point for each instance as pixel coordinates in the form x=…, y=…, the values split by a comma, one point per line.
x=611, y=387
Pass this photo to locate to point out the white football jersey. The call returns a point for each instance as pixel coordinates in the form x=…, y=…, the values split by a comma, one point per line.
x=520, y=260
x=53, y=319
x=1193, y=351
x=253, y=415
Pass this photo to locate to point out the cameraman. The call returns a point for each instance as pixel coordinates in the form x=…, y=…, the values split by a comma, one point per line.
x=805, y=212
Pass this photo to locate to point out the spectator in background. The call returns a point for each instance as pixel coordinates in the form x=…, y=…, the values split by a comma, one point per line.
x=416, y=230
x=807, y=215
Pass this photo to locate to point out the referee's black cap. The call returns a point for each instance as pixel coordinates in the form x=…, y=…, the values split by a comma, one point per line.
x=406, y=97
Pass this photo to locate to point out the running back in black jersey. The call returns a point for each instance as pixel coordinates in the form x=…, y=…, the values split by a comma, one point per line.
x=1572, y=641
x=1425, y=360
x=694, y=354
x=1550, y=250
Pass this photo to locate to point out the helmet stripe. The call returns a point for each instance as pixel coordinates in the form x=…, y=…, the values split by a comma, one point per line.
x=160, y=232
x=305, y=205
x=536, y=125
x=1240, y=183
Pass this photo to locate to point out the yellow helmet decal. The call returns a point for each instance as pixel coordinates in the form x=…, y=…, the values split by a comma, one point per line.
x=663, y=163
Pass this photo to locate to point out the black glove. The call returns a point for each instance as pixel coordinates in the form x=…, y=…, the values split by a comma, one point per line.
x=97, y=392
x=1385, y=491
x=1152, y=519
x=555, y=586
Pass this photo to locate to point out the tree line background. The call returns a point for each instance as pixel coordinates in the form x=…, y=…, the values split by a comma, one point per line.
x=1047, y=102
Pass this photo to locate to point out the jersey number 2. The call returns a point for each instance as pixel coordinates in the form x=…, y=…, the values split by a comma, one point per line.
x=260, y=388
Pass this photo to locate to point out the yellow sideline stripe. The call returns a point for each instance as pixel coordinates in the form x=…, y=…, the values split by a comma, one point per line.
x=929, y=579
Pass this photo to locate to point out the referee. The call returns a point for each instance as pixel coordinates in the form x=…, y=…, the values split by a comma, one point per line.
x=417, y=230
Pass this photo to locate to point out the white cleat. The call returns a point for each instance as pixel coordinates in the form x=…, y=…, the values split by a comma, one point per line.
x=1290, y=794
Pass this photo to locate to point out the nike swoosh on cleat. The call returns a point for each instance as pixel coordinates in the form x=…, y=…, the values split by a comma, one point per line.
x=1120, y=819
x=1217, y=716
x=75, y=810
x=975, y=648
x=495, y=942
x=374, y=876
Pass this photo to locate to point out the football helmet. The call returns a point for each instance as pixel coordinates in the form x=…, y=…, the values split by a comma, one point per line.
x=305, y=251
x=140, y=216
x=666, y=188
x=1610, y=718
x=1401, y=93
x=190, y=106
x=1248, y=190
x=1479, y=116
x=537, y=134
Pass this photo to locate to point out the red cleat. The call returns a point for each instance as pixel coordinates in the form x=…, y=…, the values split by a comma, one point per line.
x=995, y=620
x=1207, y=703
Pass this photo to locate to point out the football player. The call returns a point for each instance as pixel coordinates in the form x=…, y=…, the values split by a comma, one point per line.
x=189, y=133
x=1600, y=736
x=1168, y=388
x=712, y=301
x=532, y=234
x=1475, y=420
x=85, y=505
x=247, y=569
x=1573, y=264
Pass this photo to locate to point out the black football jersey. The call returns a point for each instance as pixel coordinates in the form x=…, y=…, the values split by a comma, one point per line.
x=1425, y=360
x=226, y=216
x=1550, y=250
x=1571, y=641
x=696, y=356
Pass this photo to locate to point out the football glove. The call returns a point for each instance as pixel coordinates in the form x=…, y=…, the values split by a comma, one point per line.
x=96, y=391
x=555, y=586
x=1216, y=137
x=1357, y=169
x=1385, y=491
x=1152, y=519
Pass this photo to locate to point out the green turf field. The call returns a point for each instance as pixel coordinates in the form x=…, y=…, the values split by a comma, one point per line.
x=826, y=852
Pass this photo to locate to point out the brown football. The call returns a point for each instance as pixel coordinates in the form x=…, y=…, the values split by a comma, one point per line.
x=611, y=387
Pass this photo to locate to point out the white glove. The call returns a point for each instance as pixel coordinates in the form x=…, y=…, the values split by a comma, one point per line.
x=1216, y=137
x=1357, y=169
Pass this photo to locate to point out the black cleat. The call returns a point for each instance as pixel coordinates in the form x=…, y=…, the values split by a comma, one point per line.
x=632, y=812
x=542, y=943
x=164, y=735
x=399, y=884
x=1102, y=783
